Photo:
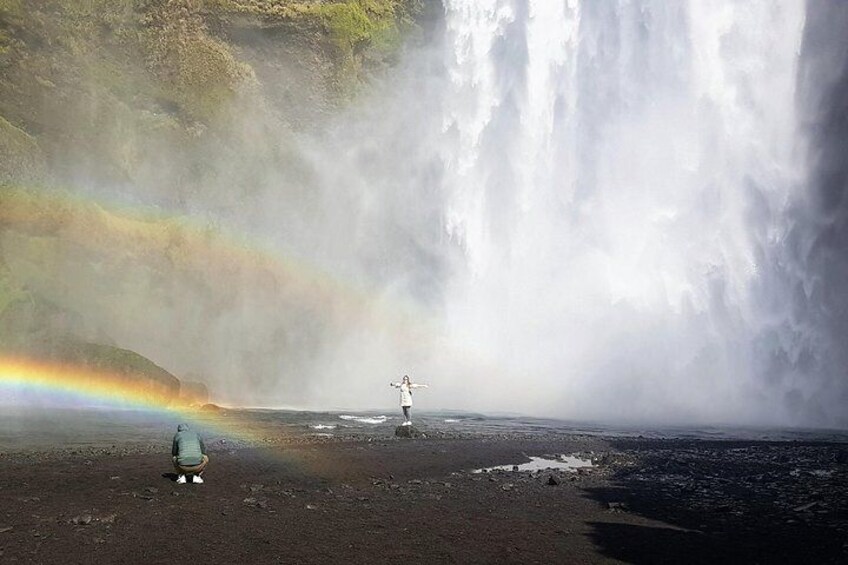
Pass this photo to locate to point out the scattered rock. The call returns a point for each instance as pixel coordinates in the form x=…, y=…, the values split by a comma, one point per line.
x=151, y=490
x=553, y=481
x=507, y=486
x=6, y=529
x=806, y=507
x=257, y=502
x=409, y=432
x=82, y=520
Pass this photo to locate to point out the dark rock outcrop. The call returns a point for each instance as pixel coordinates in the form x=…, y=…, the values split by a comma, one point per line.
x=409, y=432
x=193, y=392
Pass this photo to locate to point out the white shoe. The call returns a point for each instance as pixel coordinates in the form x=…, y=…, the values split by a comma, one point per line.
x=181, y=480
x=197, y=479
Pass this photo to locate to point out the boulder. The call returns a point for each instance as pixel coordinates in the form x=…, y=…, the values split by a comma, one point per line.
x=410, y=432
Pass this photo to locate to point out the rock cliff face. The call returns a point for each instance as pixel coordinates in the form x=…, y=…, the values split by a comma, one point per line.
x=31, y=327
x=194, y=393
x=150, y=97
x=111, y=93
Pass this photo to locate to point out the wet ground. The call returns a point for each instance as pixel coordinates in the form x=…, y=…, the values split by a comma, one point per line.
x=363, y=496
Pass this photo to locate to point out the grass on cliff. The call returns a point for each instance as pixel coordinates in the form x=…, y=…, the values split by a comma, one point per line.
x=362, y=34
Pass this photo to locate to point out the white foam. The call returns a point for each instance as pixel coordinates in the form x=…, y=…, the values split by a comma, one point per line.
x=451, y=420
x=322, y=426
x=364, y=419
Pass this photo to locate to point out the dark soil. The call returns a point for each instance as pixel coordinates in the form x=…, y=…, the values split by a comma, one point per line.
x=417, y=501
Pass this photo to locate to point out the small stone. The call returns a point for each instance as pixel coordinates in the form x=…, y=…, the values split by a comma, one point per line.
x=310, y=507
x=806, y=507
x=553, y=481
x=616, y=506
x=151, y=490
x=515, y=467
x=6, y=529
x=82, y=520
x=507, y=487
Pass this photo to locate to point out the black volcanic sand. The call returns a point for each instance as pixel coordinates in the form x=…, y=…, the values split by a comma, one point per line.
x=416, y=501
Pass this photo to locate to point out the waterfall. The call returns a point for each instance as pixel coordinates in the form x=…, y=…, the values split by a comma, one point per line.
x=617, y=176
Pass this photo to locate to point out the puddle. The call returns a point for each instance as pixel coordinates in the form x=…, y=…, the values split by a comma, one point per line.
x=563, y=462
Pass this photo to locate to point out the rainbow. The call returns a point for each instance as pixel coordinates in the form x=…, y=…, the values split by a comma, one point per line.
x=107, y=389
x=194, y=248
x=211, y=255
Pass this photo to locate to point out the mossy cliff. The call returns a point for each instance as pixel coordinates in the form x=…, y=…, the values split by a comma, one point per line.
x=114, y=92
x=167, y=101
x=32, y=327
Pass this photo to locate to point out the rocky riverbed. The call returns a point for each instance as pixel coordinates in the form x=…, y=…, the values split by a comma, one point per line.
x=376, y=498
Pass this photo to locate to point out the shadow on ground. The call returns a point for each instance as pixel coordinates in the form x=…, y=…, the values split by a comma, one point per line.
x=725, y=502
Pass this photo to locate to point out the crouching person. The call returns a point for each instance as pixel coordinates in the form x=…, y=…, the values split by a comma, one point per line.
x=189, y=454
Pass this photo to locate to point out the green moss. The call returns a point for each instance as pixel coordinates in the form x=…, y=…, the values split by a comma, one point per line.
x=12, y=9
x=195, y=71
x=360, y=34
x=116, y=91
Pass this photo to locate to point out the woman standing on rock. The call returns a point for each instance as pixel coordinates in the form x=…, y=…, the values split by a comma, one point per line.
x=406, y=387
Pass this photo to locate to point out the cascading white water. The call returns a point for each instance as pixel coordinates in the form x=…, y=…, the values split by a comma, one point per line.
x=616, y=174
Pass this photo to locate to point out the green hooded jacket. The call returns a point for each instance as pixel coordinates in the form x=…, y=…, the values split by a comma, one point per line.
x=188, y=447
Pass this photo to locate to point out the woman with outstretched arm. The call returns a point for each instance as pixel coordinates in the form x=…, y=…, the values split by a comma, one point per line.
x=406, y=387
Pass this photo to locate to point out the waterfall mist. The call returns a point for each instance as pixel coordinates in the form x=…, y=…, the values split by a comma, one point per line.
x=619, y=210
x=598, y=203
